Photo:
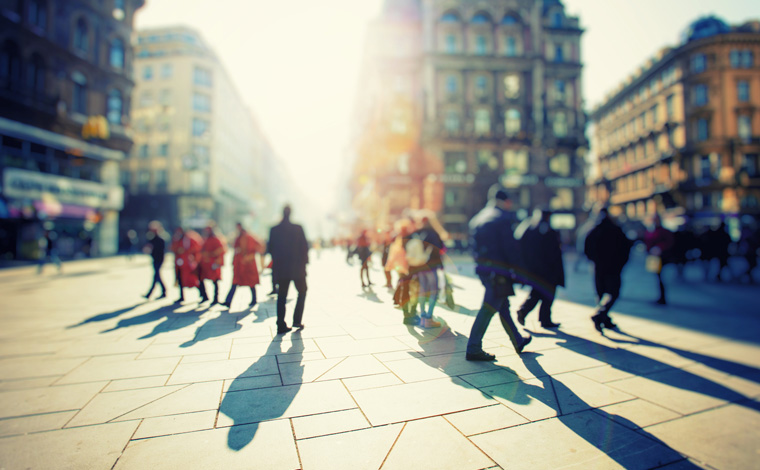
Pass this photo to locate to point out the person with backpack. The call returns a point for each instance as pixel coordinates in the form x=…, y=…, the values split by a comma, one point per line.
x=423, y=251
x=496, y=256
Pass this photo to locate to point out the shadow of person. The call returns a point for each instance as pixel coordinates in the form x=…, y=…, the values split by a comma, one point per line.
x=369, y=294
x=247, y=406
x=222, y=324
x=174, y=321
x=147, y=317
x=107, y=315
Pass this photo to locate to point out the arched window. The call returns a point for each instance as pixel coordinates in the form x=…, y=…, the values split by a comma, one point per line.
x=480, y=18
x=115, y=104
x=116, y=53
x=450, y=18
x=481, y=45
x=509, y=20
x=10, y=65
x=81, y=35
x=79, y=96
x=35, y=75
x=511, y=47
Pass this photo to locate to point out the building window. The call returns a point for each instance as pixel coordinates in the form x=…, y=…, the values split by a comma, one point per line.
x=114, y=106
x=119, y=11
x=202, y=155
x=509, y=20
x=167, y=70
x=455, y=197
x=562, y=200
x=125, y=177
x=745, y=127
x=164, y=97
x=79, y=98
x=452, y=86
x=703, y=130
x=741, y=58
x=560, y=124
x=163, y=150
x=116, y=54
x=698, y=63
x=751, y=165
x=559, y=53
x=146, y=99
x=10, y=65
x=450, y=44
x=559, y=91
x=147, y=72
x=143, y=180
x=511, y=46
x=449, y=18
x=199, y=127
x=35, y=75
x=655, y=114
x=482, y=121
x=556, y=19
x=142, y=151
x=198, y=182
x=159, y=177
x=81, y=36
x=481, y=47
x=512, y=122
x=451, y=122
x=38, y=13
x=742, y=91
x=669, y=107
x=700, y=95
x=202, y=77
x=512, y=86
x=481, y=85
x=201, y=102
x=515, y=162
x=560, y=164
x=455, y=162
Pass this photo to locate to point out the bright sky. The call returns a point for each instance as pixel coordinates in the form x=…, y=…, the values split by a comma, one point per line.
x=296, y=62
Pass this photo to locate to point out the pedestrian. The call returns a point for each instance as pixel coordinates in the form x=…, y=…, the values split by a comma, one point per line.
x=495, y=252
x=407, y=287
x=424, y=252
x=156, y=246
x=176, y=246
x=749, y=245
x=719, y=241
x=543, y=269
x=245, y=272
x=659, y=244
x=211, y=262
x=364, y=253
x=132, y=242
x=290, y=254
x=387, y=241
x=608, y=248
x=187, y=256
x=49, y=251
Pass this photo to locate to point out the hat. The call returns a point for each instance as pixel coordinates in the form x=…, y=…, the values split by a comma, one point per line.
x=497, y=192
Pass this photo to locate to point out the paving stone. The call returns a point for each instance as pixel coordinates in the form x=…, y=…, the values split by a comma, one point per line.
x=106, y=407
x=302, y=372
x=342, y=346
x=371, y=381
x=132, y=384
x=250, y=383
x=212, y=357
x=266, y=445
x=486, y=419
x=501, y=375
x=187, y=349
x=438, y=366
x=47, y=399
x=365, y=449
x=37, y=366
x=175, y=424
x=116, y=367
x=251, y=406
x=733, y=445
x=67, y=448
x=637, y=413
x=604, y=374
x=19, y=384
x=419, y=400
x=329, y=423
x=194, y=397
x=434, y=444
x=220, y=370
x=397, y=355
x=355, y=366
x=581, y=440
x=533, y=399
x=34, y=423
x=577, y=393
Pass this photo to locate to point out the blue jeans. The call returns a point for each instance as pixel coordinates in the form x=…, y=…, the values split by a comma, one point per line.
x=496, y=299
x=428, y=291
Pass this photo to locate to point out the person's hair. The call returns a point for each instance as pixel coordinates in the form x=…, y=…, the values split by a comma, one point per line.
x=286, y=212
x=155, y=225
x=497, y=192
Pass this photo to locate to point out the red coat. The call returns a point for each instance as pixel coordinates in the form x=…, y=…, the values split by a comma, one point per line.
x=212, y=258
x=244, y=269
x=187, y=257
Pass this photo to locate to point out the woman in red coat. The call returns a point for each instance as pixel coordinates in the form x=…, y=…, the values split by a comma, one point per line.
x=187, y=255
x=245, y=272
x=211, y=261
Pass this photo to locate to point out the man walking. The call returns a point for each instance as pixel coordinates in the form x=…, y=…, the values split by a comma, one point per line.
x=157, y=246
x=541, y=250
x=495, y=253
x=608, y=248
x=290, y=254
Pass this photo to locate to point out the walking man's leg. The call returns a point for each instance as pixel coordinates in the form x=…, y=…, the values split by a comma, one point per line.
x=480, y=325
x=300, y=302
x=282, y=297
x=253, y=296
x=230, y=296
x=545, y=311
x=528, y=306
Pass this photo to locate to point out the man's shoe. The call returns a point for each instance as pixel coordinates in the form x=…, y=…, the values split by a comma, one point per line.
x=521, y=318
x=282, y=331
x=252, y=304
x=661, y=301
x=525, y=342
x=162, y=296
x=274, y=292
x=147, y=296
x=415, y=320
x=300, y=326
x=598, y=320
x=480, y=356
x=225, y=304
x=429, y=323
x=608, y=324
x=550, y=325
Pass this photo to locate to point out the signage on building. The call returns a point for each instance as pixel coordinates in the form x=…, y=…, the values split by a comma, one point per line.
x=454, y=178
x=24, y=184
x=560, y=182
x=514, y=181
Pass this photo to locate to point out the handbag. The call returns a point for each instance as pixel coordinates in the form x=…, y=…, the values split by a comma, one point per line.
x=653, y=264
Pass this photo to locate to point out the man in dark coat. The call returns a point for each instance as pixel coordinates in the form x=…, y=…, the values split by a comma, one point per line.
x=157, y=246
x=290, y=254
x=608, y=248
x=496, y=255
x=542, y=266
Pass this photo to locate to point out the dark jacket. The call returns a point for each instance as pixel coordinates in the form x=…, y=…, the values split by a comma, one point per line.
x=289, y=250
x=608, y=247
x=431, y=240
x=541, y=253
x=157, y=249
x=493, y=245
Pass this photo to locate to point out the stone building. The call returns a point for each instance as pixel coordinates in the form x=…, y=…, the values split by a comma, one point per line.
x=65, y=87
x=680, y=136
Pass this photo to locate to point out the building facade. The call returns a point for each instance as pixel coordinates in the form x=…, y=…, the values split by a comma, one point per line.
x=198, y=153
x=680, y=137
x=65, y=87
x=495, y=90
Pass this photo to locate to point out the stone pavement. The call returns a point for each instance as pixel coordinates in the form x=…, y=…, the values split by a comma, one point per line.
x=92, y=376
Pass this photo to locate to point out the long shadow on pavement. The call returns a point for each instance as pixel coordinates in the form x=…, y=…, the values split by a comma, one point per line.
x=248, y=408
x=223, y=324
x=106, y=316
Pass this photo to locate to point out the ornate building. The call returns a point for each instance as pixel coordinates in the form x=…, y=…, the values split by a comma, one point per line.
x=680, y=136
x=65, y=87
x=495, y=96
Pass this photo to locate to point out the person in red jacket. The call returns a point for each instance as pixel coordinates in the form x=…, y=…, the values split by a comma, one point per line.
x=211, y=262
x=187, y=254
x=245, y=272
x=659, y=241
